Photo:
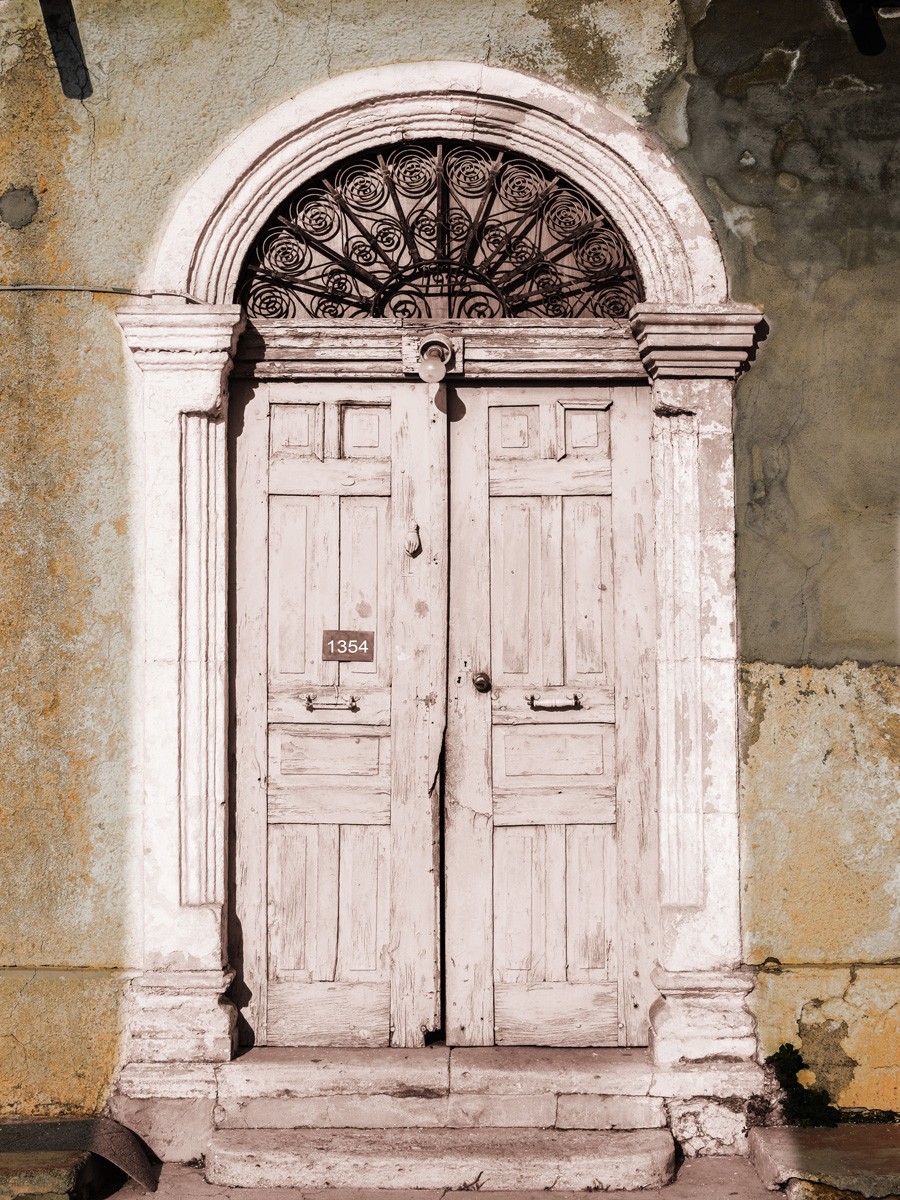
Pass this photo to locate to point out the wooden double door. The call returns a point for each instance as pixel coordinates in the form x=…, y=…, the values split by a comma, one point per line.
x=447, y=828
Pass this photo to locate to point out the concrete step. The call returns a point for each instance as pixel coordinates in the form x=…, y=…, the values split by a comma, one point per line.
x=49, y=1175
x=861, y=1159
x=466, y=1159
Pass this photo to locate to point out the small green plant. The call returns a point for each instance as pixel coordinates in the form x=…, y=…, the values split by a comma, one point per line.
x=802, y=1105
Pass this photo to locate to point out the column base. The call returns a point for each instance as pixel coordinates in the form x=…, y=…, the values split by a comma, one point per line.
x=181, y=1016
x=702, y=1015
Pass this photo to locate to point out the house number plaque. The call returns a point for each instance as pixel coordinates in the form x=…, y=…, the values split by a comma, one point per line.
x=348, y=645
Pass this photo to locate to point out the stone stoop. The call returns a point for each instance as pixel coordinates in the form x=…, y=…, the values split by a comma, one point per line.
x=438, y=1118
x=555, y=1118
x=467, y=1159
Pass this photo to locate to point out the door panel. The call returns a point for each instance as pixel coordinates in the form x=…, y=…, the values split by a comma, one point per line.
x=535, y=816
x=337, y=820
x=530, y=562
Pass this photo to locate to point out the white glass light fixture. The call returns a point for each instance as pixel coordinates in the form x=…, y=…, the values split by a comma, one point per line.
x=434, y=356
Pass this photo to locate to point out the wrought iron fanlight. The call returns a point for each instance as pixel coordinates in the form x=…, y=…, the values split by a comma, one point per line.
x=438, y=230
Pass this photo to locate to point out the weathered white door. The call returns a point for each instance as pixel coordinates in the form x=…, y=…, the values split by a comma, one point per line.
x=342, y=525
x=549, y=770
x=533, y=557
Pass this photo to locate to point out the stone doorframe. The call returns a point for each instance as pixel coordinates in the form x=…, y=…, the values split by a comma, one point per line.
x=692, y=342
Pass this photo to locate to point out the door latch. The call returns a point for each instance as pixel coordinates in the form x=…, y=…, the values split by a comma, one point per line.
x=575, y=706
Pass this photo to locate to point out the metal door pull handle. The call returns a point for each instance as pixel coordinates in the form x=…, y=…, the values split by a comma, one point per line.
x=352, y=705
x=575, y=706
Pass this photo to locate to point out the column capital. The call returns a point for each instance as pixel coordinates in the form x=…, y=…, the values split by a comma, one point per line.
x=171, y=335
x=700, y=342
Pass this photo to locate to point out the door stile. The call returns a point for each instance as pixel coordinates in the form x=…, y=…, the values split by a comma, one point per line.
x=419, y=535
x=635, y=662
x=468, y=817
x=251, y=698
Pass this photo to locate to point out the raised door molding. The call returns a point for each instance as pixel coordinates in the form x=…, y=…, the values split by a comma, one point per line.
x=184, y=352
x=693, y=355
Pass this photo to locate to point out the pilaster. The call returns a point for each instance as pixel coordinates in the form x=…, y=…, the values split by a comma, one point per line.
x=184, y=352
x=693, y=356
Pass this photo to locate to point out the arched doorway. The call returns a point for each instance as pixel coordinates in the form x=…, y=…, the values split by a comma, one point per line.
x=432, y=648
x=680, y=348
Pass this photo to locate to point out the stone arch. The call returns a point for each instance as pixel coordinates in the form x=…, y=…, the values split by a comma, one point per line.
x=690, y=342
x=612, y=159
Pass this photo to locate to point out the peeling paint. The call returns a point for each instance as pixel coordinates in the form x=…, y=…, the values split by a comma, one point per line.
x=846, y=1023
x=789, y=139
x=820, y=806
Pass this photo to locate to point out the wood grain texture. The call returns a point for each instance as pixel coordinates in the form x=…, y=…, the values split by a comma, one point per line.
x=303, y=902
x=330, y=773
x=544, y=1014
x=418, y=709
x=468, y=817
x=329, y=1014
x=636, y=617
x=493, y=349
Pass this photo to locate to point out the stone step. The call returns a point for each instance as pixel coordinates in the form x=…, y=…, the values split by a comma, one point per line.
x=465, y=1159
x=438, y=1089
x=488, y=1071
x=435, y=1071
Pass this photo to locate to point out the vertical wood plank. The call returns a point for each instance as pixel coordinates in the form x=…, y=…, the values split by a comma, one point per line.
x=362, y=904
x=323, y=568
x=290, y=518
x=287, y=899
x=512, y=567
x=590, y=920
x=551, y=592
x=363, y=560
x=520, y=908
x=469, y=808
x=635, y=616
x=584, y=582
x=322, y=904
x=555, y=869
x=250, y=450
x=418, y=705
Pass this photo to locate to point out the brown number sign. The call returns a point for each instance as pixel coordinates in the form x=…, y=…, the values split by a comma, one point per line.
x=348, y=645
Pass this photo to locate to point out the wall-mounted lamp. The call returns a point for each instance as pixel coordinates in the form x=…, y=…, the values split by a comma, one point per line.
x=433, y=357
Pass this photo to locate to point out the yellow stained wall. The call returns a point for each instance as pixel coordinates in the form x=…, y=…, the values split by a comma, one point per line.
x=821, y=870
x=786, y=135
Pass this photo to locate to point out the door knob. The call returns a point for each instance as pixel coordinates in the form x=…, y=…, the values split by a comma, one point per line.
x=481, y=682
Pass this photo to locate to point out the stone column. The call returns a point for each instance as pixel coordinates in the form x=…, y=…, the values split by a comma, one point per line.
x=178, y=1010
x=693, y=356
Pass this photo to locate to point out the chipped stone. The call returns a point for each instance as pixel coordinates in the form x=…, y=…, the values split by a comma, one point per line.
x=702, y=1126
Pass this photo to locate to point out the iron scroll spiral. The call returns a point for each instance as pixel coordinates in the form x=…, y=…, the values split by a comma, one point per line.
x=438, y=230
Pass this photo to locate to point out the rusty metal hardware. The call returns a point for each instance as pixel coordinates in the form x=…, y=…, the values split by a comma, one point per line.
x=312, y=703
x=481, y=682
x=575, y=706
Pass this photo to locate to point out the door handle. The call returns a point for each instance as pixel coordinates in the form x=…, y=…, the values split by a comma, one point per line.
x=481, y=682
x=575, y=706
x=313, y=703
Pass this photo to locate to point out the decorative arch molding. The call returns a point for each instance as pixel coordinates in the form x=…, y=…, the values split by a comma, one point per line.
x=611, y=158
x=686, y=338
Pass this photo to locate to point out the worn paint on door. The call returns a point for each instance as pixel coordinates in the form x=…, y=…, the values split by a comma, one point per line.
x=532, y=559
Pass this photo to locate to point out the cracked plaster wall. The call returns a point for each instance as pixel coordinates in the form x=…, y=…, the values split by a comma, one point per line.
x=788, y=138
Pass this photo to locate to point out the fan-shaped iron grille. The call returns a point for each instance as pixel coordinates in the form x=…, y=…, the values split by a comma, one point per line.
x=438, y=229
